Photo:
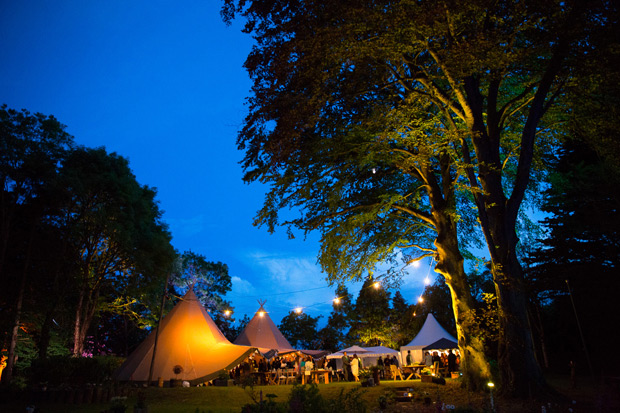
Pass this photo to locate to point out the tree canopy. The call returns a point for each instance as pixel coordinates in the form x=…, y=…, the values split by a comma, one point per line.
x=402, y=128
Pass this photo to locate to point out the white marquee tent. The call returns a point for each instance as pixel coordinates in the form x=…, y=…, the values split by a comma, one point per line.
x=367, y=355
x=431, y=332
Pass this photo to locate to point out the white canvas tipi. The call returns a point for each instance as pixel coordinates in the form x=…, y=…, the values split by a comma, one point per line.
x=188, y=338
x=261, y=332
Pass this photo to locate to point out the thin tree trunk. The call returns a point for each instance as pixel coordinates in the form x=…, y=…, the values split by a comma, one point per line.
x=541, y=335
x=78, y=343
x=8, y=375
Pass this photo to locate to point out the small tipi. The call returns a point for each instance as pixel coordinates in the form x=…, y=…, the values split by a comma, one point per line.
x=261, y=332
x=188, y=338
x=431, y=332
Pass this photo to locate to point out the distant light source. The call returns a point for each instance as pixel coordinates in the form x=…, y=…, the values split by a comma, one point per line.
x=374, y=170
x=377, y=285
x=491, y=384
x=336, y=300
x=427, y=281
x=227, y=313
x=261, y=313
x=420, y=299
x=298, y=310
x=415, y=264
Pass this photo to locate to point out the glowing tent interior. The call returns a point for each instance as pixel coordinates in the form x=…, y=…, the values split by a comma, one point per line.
x=188, y=338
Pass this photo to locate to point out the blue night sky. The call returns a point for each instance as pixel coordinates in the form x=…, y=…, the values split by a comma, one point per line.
x=162, y=84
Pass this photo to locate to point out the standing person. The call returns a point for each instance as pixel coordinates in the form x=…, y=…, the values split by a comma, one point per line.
x=308, y=370
x=395, y=361
x=355, y=367
x=428, y=359
x=409, y=359
x=451, y=361
x=346, y=366
x=381, y=365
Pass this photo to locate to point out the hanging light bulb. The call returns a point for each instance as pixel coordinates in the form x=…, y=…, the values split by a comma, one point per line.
x=377, y=285
x=261, y=313
x=421, y=299
x=298, y=310
x=337, y=300
x=227, y=313
x=427, y=281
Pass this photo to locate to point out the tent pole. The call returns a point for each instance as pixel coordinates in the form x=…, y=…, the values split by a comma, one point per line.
x=161, y=315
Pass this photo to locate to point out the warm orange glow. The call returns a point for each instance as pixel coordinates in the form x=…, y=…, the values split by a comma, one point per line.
x=336, y=300
x=227, y=313
x=261, y=313
x=377, y=284
x=421, y=299
x=298, y=310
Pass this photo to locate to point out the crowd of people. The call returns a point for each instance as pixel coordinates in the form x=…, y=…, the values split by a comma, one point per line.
x=351, y=365
x=449, y=360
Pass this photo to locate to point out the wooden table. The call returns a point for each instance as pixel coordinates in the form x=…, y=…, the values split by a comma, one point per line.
x=413, y=371
x=265, y=377
x=314, y=376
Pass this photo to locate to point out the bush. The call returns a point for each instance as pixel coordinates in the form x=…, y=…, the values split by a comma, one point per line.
x=73, y=370
x=306, y=398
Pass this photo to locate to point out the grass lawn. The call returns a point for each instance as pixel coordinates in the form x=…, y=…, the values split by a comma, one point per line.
x=426, y=397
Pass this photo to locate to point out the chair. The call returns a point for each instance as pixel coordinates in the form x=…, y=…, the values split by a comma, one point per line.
x=395, y=371
x=435, y=369
x=291, y=376
x=281, y=376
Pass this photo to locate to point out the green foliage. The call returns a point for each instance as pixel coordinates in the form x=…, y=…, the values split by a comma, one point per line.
x=66, y=370
x=300, y=330
x=306, y=399
x=113, y=230
x=210, y=282
x=372, y=309
x=349, y=402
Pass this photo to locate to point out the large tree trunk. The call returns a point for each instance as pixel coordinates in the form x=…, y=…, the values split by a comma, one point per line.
x=85, y=311
x=520, y=372
x=474, y=364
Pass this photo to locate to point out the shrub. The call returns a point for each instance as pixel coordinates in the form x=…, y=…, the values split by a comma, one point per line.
x=306, y=398
x=74, y=370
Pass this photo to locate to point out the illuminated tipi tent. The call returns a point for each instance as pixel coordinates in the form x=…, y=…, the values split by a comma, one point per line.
x=261, y=332
x=188, y=338
x=430, y=333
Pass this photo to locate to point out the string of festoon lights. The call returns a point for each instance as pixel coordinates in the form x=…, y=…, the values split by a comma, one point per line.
x=427, y=282
x=336, y=300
